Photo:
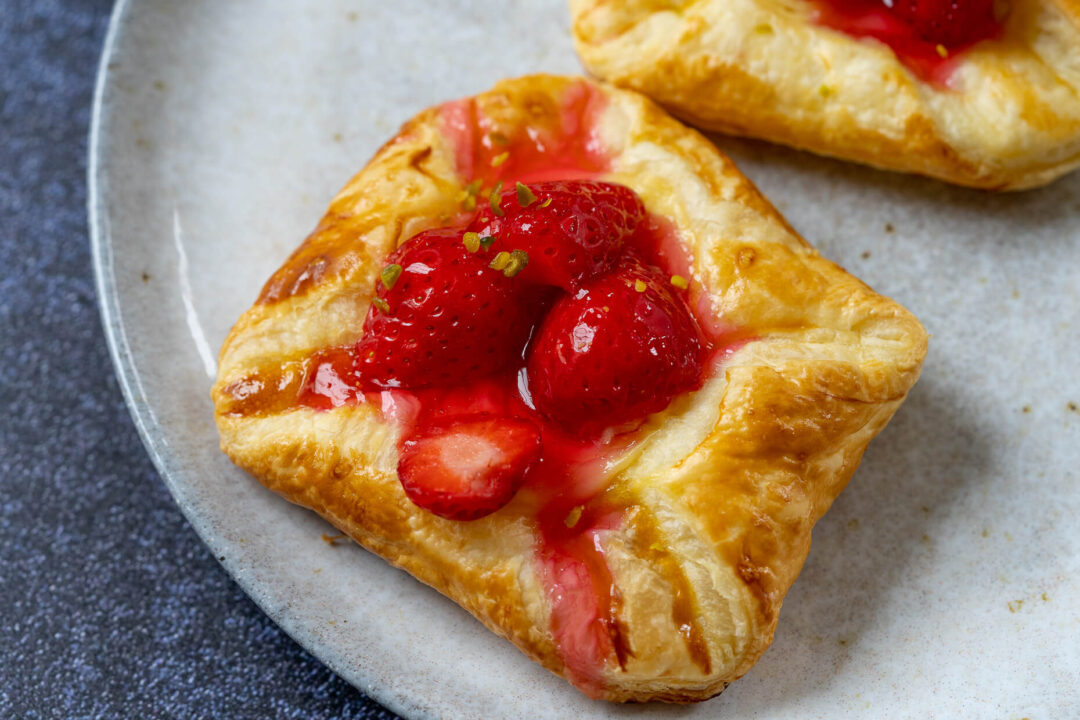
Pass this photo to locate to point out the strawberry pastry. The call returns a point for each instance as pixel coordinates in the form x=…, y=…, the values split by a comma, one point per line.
x=554, y=356
x=984, y=93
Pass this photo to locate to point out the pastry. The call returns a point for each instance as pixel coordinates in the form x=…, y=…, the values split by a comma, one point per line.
x=984, y=93
x=551, y=353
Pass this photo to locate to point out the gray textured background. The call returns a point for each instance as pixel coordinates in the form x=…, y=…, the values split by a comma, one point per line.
x=109, y=604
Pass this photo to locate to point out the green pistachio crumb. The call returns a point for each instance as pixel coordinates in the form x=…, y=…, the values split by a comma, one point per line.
x=499, y=159
x=525, y=196
x=680, y=282
x=495, y=200
x=390, y=275
x=640, y=285
x=471, y=241
x=381, y=304
x=545, y=203
x=573, y=516
x=498, y=138
x=518, y=260
x=500, y=261
x=486, y=241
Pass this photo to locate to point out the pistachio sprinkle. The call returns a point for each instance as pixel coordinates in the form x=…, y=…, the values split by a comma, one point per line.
x=381, y=304
x=495, y=200
x=545, y=203
x=680, y=282
x=471, y=241
x=390, y=275
x=500, y=159
x=573, y=516
x=525, y=196
x=486, y=241
x=518, y=260
x=500, y=261
x=640, y=285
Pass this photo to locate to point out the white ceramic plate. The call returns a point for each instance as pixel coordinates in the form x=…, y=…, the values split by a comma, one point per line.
x=943, y=583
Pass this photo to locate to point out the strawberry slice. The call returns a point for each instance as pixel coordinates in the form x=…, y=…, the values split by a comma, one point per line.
x=951, y=23
x=443, y=316
x=572, y=230
x=469, y=467
x=615, y=351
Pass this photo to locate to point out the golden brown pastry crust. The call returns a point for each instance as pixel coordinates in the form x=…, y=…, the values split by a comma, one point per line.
x=762, y=68
x=722, y=492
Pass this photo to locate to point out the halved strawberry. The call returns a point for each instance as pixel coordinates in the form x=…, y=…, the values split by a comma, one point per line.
x=466, y=468
x=443, y=316
x=621, y=347
x=948, y=22
x=572, y=230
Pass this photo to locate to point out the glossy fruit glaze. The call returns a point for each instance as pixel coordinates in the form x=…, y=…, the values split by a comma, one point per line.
x=564, y=485
x=928, y=36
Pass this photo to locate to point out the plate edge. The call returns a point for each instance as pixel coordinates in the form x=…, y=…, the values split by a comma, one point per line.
x=131, y=386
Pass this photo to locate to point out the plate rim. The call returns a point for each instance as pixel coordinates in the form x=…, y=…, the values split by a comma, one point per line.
x=150, y=431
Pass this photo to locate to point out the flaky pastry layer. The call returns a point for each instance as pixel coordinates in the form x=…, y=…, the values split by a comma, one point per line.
x=1009, y=118
x=723, y=489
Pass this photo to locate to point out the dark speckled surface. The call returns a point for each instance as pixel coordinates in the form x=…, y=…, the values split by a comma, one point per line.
x=109, y=604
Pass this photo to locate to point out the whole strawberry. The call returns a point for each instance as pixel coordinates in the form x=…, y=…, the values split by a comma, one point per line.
x=442, y=315
x=951, y=23
x=618, y=349
x=572, y=230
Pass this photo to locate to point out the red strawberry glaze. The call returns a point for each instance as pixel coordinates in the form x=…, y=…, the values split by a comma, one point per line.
x=330, y=380
x=572, y=152
x=564, y=489
x=930, y=61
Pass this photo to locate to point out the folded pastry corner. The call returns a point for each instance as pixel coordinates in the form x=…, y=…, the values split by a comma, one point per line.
x=989, y=100
x=656, y=569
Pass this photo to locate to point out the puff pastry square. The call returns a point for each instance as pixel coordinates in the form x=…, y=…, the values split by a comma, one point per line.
x=717, y=496
x=1008, y=117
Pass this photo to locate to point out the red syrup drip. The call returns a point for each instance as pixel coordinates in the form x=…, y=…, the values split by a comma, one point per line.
x=564, y=491
x=872, y=19
x=582, y=592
